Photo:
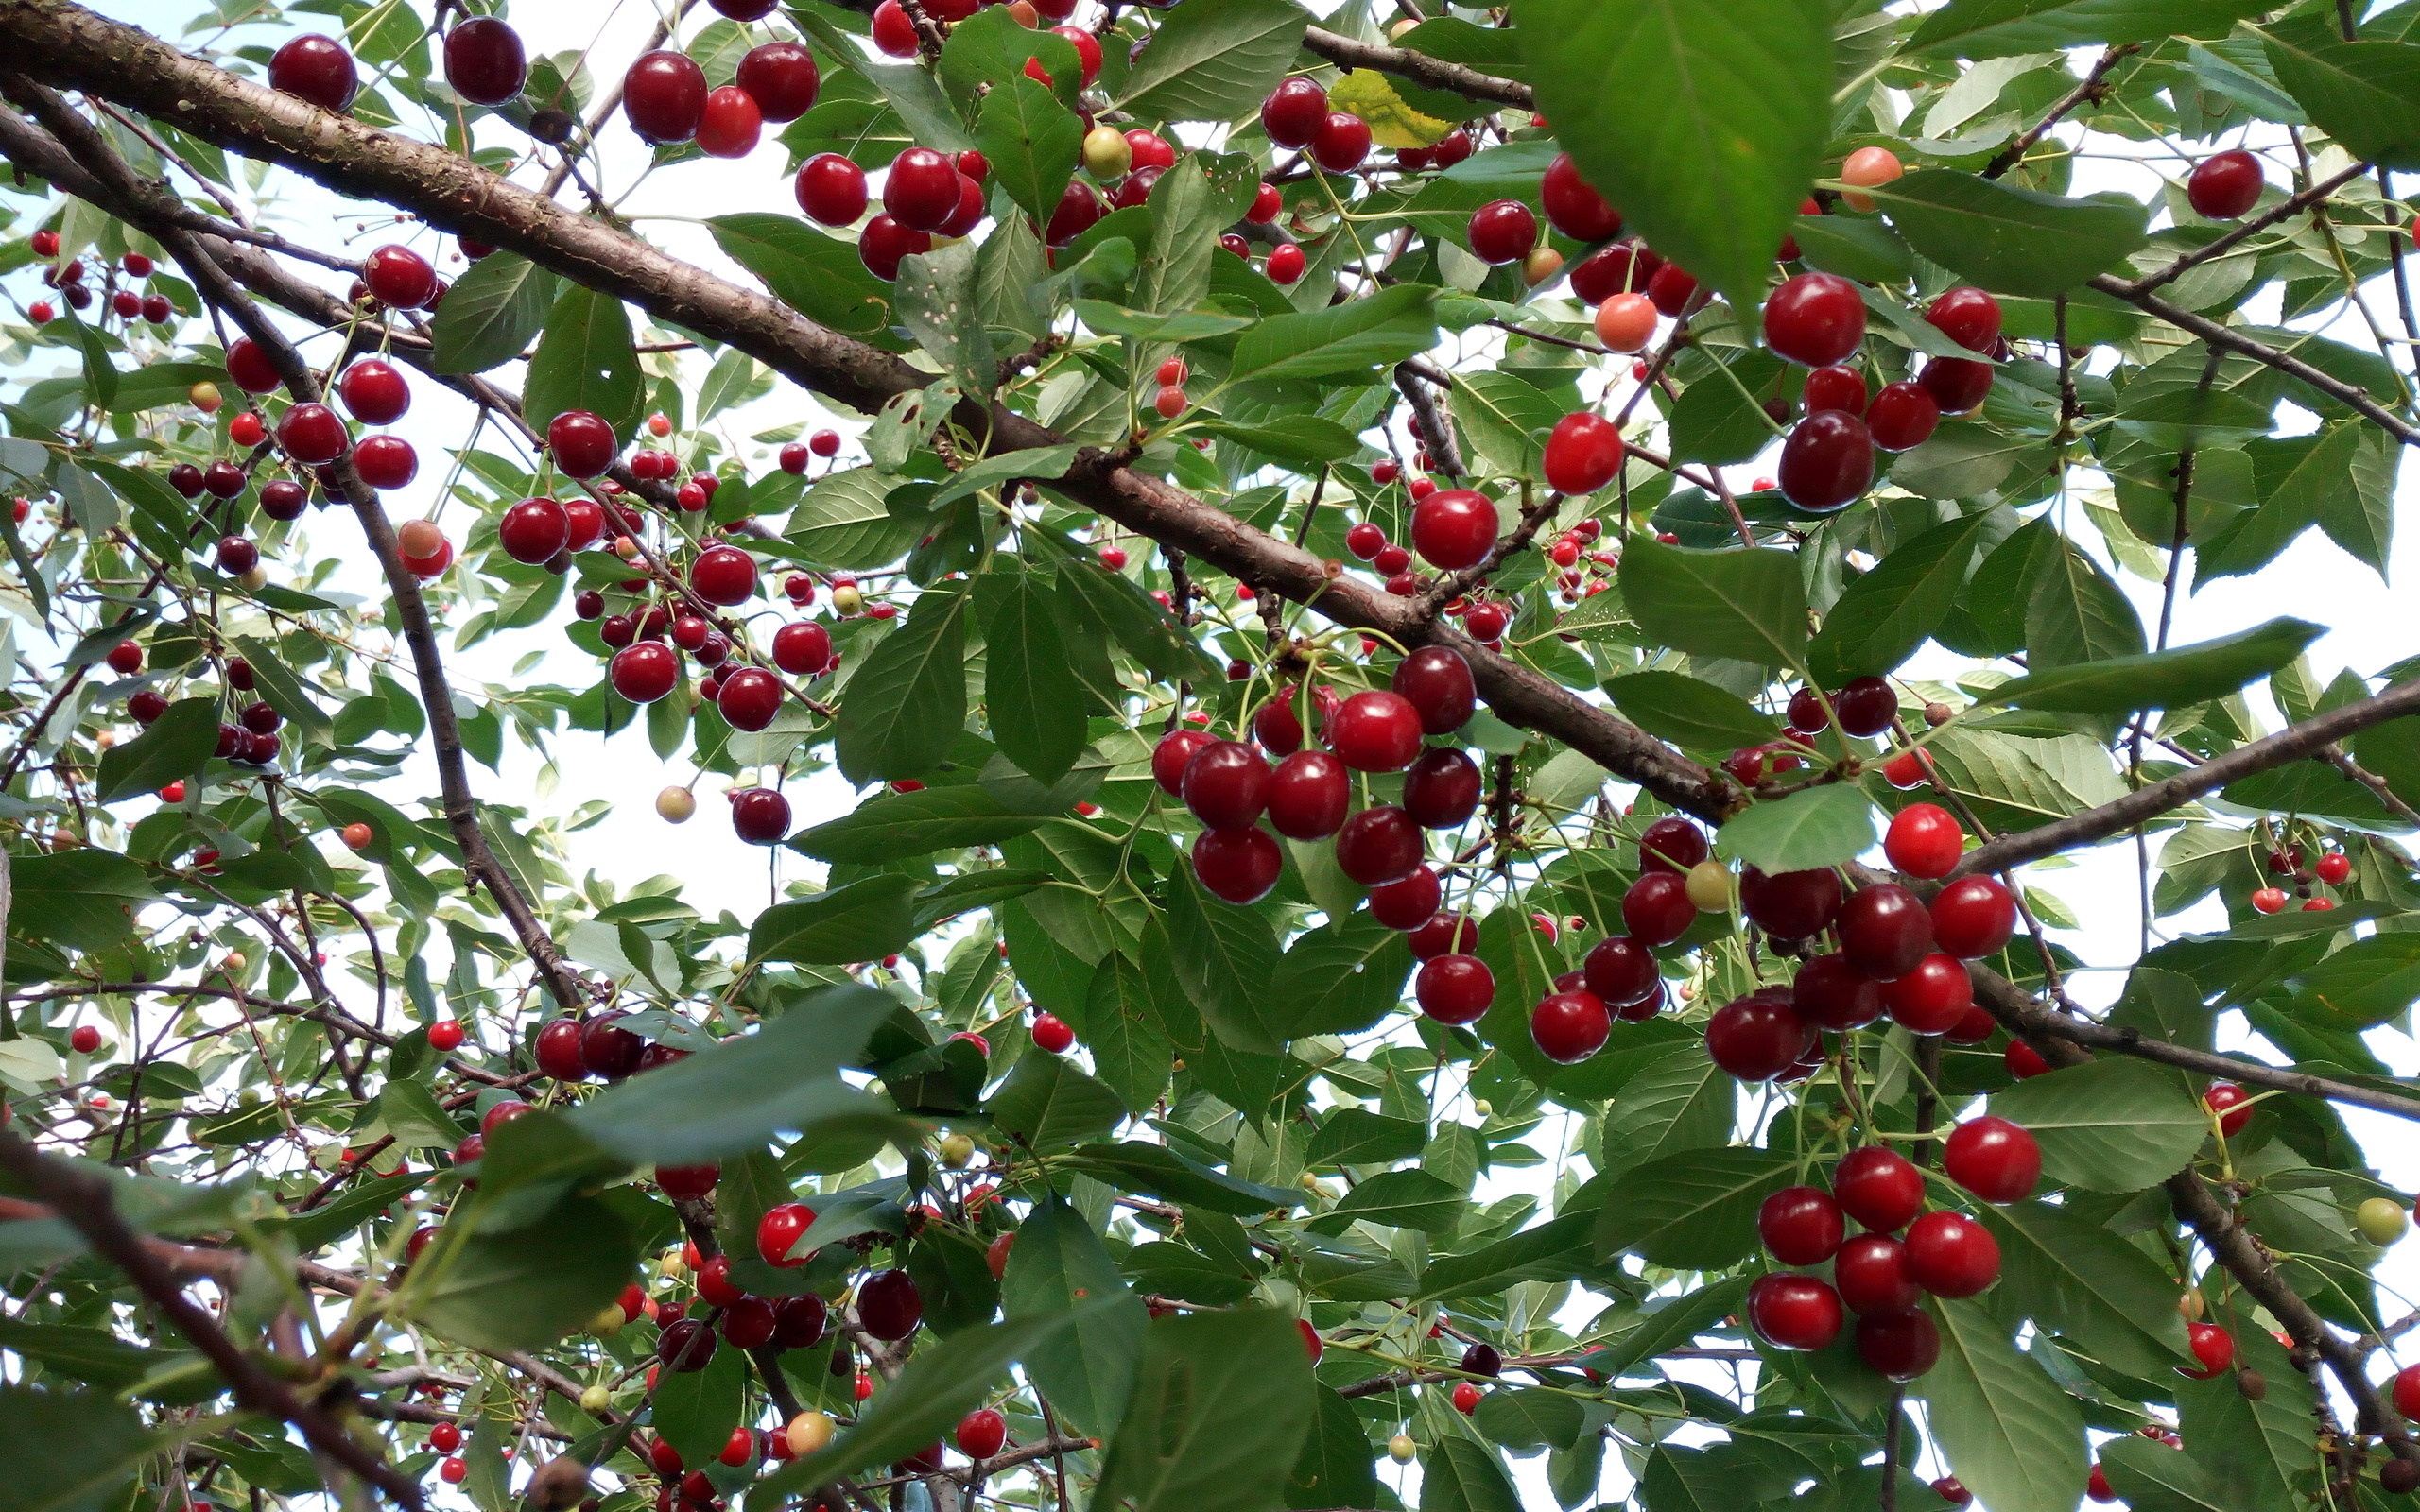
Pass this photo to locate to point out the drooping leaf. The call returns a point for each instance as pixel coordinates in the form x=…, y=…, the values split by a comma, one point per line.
x=1695, y=1211
x=1049, y=1103
x=1226, y=957
x=902, y=709
x=1821, y=825
x=1215, y=61
x=1387, y=327
x=817, y=275
x=1884, y=616
x=1690, y=712
x=2366, y=94
x=1221, y=1403
x=2007, y=1430
x=2010, y=239
x=862, y=921
x=2084, y=1281
x=586, y=360
x=528, y=1285
x=2003, y=29
x=2164, y=679
x=1034, y=703
x=491, y=312
x=2110, y=1124
x=176, y=746
x=1058, y=1267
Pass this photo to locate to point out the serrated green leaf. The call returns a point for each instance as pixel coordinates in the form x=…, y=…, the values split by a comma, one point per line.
x=2164, y=679
x=1749, y=606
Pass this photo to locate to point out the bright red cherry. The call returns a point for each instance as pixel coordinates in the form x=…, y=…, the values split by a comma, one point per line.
x=1835, y=388
x=585, y=519
x=1441, y=789
x=1955, y=383
x=1575, y=209
x=1967, y=315
x=1831, y=994
x=2211, y=1345
x=1285, y=263
x=1794, y=1311
x=1169, y=758
x=750, y=698
x=1870, y=1270
x=1294, y=113
x=1951, y=1255
x=2024, y=1062
x=1877, y=1186
x=2269, y=899
x=802, y=650
x=1342, y=143
x=760, y=815
x=1621, y=971
x=1376, y=731
x=1409, y=903
x=885, y=243
x=1884, y=931
x=781, y=77
x=249, y=365
x=723, y=574
x=1899, y=1345
x=1150, y=150
x=1455, y=989
x=921, y=191
x=2406, y=1391
x=533, y=530
x=1903, y=416
x=1827, y=462
x=1973, y=918
x=1994, y=1158
x=1079, y=208
x=317, y=69
x=2224, y=185
x=1239, y=866
x=582, y=443
x=1051, y=1033
x=1656, y=909
x=1437, y=682
x=399, y=277
x=1582, y=453
x=1444, y=934
x=311, y=434
x=779, y=1229
x=559, y=1051
x=1759, y=1037
x=665, y=96
x=85, y=1040
x=894, y=34
x=645, y=671
x=1671, y=844
x=247, y=430
x=1225, y=785
x=1378, y=845
x=2334, y=867
x=374, y=391
x=1931, y=997
x=1815, y=320
x=981, y=1434
x=1671, y=291
x=1801, y=1225
x=1088, y=54
x=831, y=190
x=1503, y=231
x=1570, y=1026
x=2232, y=1104
x=731, y=122
x=1454, y=528
x=1309, y=795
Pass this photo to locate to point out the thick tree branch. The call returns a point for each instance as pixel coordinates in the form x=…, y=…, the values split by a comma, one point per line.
x=1418, y=67
x=2236, y=236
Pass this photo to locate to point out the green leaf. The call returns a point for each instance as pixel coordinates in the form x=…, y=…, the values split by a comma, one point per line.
x=1689, y=712
x=2111, y=1125
x=2011, y=240
x=845, y=522
x=1214, y=59
x=1397, y=1199
x=1531, y=1418
x=1505, y=418
x=491, y=312
x=94, y=1356
x=68, y=1450
x=1298, y=440
x=585, y=360
x=1117, y=605
x=891, y=826
x=934, y=298
x=1175, y=271
x=1884, y=616
x=1226, y=956
x=1708, y=146
x=526, y=1286
x=2008, y=28
x=1220, y=1405
x=1135, y=1166
x=2074, y=1277
x=1132, y=1052
x=1335, y=1467
x=176, y=746
x=1722, y=423
x=2004, y=1425
x=2366, y=94
x=284, y=691
x=1695, y=1211
x=2151, y=1477
x=695, y=1410
x=989, y=50
x=2074, y=612
x=1825, y=825
x=863, y=921
x=1057, y=1267
x=1351, y=337
x=906, y=706
x=413, y=1116
x=1182, y=325
x=1032, y=142
x=2362, y=518
x=1032, y=697
x=1679, y=1100
x=1050, y=1103
x=1746, y=605
x=2264, y=1446
x=2367, y=983
x=1459, y=1474
x=1355, y=1136
x=2164, y=679
x=822, y=277
x=1343, y=976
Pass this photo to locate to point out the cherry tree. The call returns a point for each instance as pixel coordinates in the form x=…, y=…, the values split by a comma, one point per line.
x=1252, y=510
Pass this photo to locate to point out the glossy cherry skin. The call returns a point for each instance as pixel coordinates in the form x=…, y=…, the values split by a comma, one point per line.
x=1973, y=916
x=782, y=78
x=750, y=698
x=1621, y=971
x=888, y=1305
x=1276, y=725
x=921, y=191
x=1877, y=1186
x=1994, y=1158
x=665, y=96
x=723, y=574
x=1656, y=909
x=374, y=391
x=1454, y=988
x=1794, y=1311
x=645, y=671
x=981, y=1434
x=2232, y=1104
x=831, y=190
x=2211, y=1345
x=1831, y=994
x=1575, y=209
x=1569, y=1027
x=1503, y=231
x=609, y=1051
x=1815, y=320
x=1376, y=731
x=1898, y=1346
x=1409, y=903
x=1309, y=795
x=894, y=34
x=1951, y=1255
x=1441, y=789
x=1169, y=758
x=1884, y=931
x=1835, y=388
x=1925, y=840
x=1790, y=904
x=317, y=69
x=686, y=1346
x=1968, y=316
x=1956, y=385
x=1378, y=845
x=1865, y=706
x=1671, y=844
x=804, y=649
x=688, y=1182
x=1226, y=785
x=582, y=443
x=1342, y=143
x=884, y=244
x=798, y=1321
x=760, y=815
x=484, y=60
x=559, y=1051
x=311, y=434
x=1293, y=113
x=2223, y=185
x=1673, y=292
x=236, y=555
x=283, y=499
x=780, y=1229
x=386, y=461
x=1933, y=997
x=1624, y=269
x=1239, y=866
x=731, y=122
x=1757, y=1037
x=1454, y=528
x=1870, y=1270
x=1977, y=1026
x=1437, y=681
x=1582, y=453
x=1902, y=415
x=1801, y=1225
x=1827, y=462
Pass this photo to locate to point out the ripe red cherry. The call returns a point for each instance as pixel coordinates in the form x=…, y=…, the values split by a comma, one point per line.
x=1900, y=1346
x=921, y=191
x=237, y=555
x=645, y=671
x=1656, y=908
x=2269, y=899
x=1456, y=990
x=1671, y=291
x=1376, y=731
x=2024, y=1062
x=1285, y=263
x=831, y=190
x=1169, y=758
x=1080, y=210
x=1150, y=150
x=1485, y=622
x=157, y=309
x=1902, y=415
x=1933, y=997
x=386, y=461
x=1239, y=866
x=1441, y=789
x=1952, y=1490
x=611, y=1052
x=1582, y=453
x=147, y=707
x=1973, y=916
x=731, y=122
x=1276, y=725
x=1437, y=682
x=1378, y=845
x=585, y=519
x=1801, y=1225
x=484, y=60
x=2334, y=867
x=2224, y=185
x=665, y=96
x=1956, y=385
x=400, y=277
x=1951, y=1255
x=1576, y=210
x=311, y=434
x=1968, y=316
x=1830, y=993
x=1503, y=231
x=885, y=243
x=1925, y=840
x=1409, y=903
x=780, y=1227
x=894, y=34
x=1443, y=936
x=760, y=815
x=126, y=659
x=1994, y=1158
x=981, y=1434
x=750, y=698
x=249, y=365
x=533, y=530
x=1454, y=528
x=1877, y=1186
x=1794, y=1311
x=317, y=69
x=1342, y=143
x=85, y=1040
x=1870, y=1270
x=247, y=430
x=582, y=443
x=1827, y=462
x=679, y=1182
x=2232, y=1104
x=374, y=391
x=2211, y=1345
x=1835, y=388
x=1626, y=269
x=1051, y=1033
x=1225, y=785
x=781, y=77
x=1815, y=320
x=723, y=574
x=559, y=1051
x=1865, y=706
x=798, y=1321
x=1672, y=844
x=1621, y=971
x=1759, y=1037
x=1884, y=931
x=1570, y=1026
x=1309, y=797
x=802, y=650
x=1293, y=113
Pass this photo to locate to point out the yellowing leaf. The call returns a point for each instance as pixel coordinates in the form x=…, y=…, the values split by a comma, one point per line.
x=1392, y=124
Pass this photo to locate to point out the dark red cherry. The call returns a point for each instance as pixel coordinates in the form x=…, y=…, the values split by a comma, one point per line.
x=1790, y=904
x=1226, y=785
x=1671, y=844
x=1627, y=269
x=1239, y=866
x=1378, y=845
x=1169, y=758
x=582, y=443
x=1454, y=989
x=1621, y=971
x=611, y=1052
x=1801, y=1225
x=585, y=519
x=283, y=499
x=782, y=78
x=1994, y=1158
x=1877, y=1186
x=559, y=1051
x=1902, y=415
x=831, y=190
x=1835, y=389
x=804, y=649
x=374, y=391
x=1759, y=1037
x=1968, y=316
x=1309, y=797
x=1503, y=231
x=760, y=815
x=317, y=69
x=798, y=1321
x=1956, y=385
x=1276, y=725
x=1673, y=292
x=1870, y=1270
x=921, y=191
x=1376, y=731
x=1342, y=143
x=1444, y=934
x=665, y=96
x=1569, y=1027
x=970, y=209
x=311, y=434
x=888, y=1305
x=1080, y=210
x=686, y=1346
x=1827, y=462
x=724, y=575
x=1899, y=1345
x=1575, y=209
x=484, y=60
x=1794, y=1311
x=750, y=698
x=1884, y=931
x=1409, y=903
x=687, y=1183
x=645, y=671
x=1815, y=320
x=1866, y=705
x=2224, y=185
x=533, y=530
x=1932, y=998
x=1293, y=113
x=885, y=244
x=249, y=365
x=386, y=461
x=1973, y=916
x=1656, y=908
x=186, y=479
x=1835, y=995
x=1441, y=789
x=1454, y=528
x=1951, y=1255
x=1437, y=681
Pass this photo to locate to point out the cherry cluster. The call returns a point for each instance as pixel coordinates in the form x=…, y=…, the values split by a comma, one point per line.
x=128, y=303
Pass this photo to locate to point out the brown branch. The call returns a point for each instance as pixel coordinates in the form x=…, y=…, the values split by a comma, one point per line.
x=1418, y=67
x=2091, y=89
x=2335, y=756
x=2220, y=246
x=1428, y=423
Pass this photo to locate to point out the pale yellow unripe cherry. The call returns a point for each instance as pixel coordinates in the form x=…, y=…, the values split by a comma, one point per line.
x=605, y=1325
x=676, y=804
x=1710, y=887
x=846, y=599
x=1107, y=153
x=2380, y=1220
x=1402, y=1450
x=956, y=1149
x=595, y=1400
x=808, y=1432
